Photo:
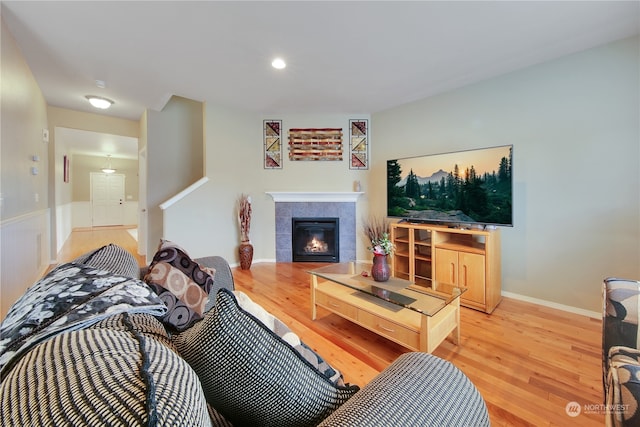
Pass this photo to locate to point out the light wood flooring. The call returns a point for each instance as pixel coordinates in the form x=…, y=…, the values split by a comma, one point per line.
x=83, y=240
x=527, y=361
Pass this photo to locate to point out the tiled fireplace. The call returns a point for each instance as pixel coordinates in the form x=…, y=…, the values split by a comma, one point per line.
x=291, y=205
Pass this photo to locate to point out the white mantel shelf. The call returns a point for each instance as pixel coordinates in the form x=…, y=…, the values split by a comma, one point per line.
x=318, y=196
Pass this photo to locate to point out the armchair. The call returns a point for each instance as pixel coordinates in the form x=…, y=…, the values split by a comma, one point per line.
x=621, y=352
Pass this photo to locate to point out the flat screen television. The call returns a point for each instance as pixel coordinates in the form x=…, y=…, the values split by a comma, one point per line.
x=463, y=188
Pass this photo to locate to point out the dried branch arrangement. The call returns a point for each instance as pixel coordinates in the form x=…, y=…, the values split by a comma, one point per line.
x=244, y=216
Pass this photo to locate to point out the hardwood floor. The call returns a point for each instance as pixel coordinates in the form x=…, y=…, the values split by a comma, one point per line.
x=527, y=361
x=83, y=240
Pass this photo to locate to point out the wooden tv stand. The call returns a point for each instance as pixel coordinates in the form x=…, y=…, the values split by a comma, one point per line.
x=468, y=258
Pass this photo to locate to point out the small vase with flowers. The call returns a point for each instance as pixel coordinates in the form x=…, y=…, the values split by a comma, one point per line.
x=377, y=230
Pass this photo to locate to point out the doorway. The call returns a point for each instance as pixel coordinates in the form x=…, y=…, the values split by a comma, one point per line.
x=107, y=198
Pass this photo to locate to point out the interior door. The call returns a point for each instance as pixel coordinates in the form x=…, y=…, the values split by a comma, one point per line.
x=107, y=199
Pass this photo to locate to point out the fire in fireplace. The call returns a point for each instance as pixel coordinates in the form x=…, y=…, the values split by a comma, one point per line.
x=315, y=240
x=316, y=244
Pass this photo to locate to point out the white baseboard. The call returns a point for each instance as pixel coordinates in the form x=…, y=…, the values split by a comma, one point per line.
x=255, y=261
x=550, y=304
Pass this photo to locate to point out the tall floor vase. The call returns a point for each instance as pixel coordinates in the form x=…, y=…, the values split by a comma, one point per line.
x=380, y=270
x=246, y=255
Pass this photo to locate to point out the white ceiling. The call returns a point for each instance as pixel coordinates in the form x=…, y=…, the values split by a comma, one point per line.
x=343, y=57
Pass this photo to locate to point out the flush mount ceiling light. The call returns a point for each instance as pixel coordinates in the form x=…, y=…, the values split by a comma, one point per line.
x=278, y=63
x=108, y=168
x=99, y=102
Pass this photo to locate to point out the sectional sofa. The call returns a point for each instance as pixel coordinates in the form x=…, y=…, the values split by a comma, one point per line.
x=99, y=342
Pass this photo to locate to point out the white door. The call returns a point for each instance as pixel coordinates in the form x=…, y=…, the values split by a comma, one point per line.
x=107, y=199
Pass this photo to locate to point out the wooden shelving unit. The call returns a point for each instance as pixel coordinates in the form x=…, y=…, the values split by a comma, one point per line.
x=467, y=258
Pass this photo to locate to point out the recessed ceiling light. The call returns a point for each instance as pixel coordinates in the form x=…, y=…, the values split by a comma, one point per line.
x=99, y=102
x=278, y=64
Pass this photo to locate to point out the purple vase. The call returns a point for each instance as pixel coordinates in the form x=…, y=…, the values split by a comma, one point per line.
x=380, y=270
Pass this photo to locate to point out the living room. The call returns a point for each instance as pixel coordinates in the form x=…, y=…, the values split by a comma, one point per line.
x=565, y=239
x=573, y=121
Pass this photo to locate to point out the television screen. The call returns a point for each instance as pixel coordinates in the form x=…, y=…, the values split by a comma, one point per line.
x=459, y=188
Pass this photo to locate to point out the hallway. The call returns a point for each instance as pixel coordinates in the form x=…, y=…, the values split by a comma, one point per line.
x=83, y=240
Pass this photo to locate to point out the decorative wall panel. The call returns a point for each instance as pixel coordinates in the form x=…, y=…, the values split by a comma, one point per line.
x=359, y=144
x=315, y=144
x=272, y=141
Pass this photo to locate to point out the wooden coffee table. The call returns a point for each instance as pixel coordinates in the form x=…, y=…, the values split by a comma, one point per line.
x=416, y=317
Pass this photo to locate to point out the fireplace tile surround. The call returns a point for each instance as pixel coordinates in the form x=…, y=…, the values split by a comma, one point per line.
x=339, y=205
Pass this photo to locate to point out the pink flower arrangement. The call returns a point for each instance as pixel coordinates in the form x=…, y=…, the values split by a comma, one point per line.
x=378, y=232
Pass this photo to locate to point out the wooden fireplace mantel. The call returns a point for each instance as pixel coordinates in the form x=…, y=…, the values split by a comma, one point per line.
x=315, y=196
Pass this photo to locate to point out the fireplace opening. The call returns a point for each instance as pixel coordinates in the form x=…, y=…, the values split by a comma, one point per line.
x=315, y=239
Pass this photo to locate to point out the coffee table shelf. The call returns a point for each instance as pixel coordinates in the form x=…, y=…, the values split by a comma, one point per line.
x=417, y=318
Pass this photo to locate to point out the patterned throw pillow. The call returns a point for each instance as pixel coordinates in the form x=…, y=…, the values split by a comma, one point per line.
x=180, y=282
x=280, y=329
x=252, y=376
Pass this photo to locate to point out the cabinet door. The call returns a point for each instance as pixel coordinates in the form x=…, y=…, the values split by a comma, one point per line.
x=446, y=266
x=471, y=275
x=401, y=258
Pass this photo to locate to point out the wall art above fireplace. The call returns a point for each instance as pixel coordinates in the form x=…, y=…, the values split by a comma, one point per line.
x=359, y=144
x=272, y=142
x=315, y=144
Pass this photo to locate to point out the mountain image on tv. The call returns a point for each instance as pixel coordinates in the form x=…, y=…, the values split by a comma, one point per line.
x=465, y=187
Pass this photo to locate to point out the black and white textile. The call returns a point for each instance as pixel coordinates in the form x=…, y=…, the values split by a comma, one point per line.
x=417, y=389
x=71, y=297
x=122, y=371
x=112, y=258
x=280, y=329
x=252, y=376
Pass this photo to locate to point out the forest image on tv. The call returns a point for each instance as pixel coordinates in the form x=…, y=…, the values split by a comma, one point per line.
x=472, y=186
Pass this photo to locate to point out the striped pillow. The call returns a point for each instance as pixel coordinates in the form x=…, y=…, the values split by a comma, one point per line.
x=290, y=337
x=252, y=376
x=114, y=374
x=113, y=259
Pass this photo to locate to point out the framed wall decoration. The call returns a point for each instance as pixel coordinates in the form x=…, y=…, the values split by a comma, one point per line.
x=65, y=171
x=272, y=142
x=315, y=144
x=359, y=144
